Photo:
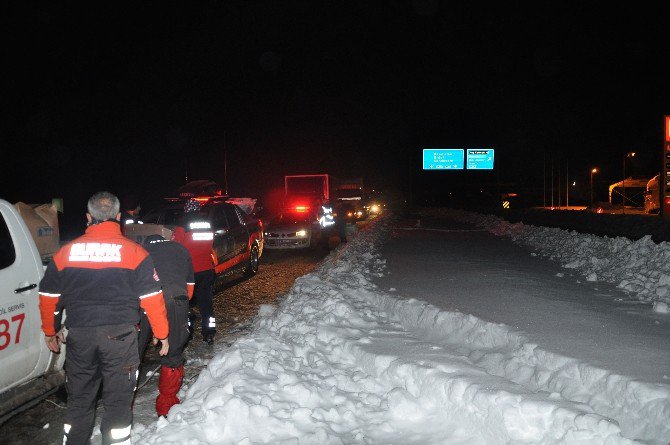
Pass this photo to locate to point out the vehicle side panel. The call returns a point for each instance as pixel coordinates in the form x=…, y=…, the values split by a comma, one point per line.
x=29, y=370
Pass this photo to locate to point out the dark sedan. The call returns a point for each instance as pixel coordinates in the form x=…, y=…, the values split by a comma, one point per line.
x=236, y=237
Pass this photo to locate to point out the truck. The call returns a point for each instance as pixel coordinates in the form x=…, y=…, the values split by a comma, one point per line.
x=350, y=198
x=30, y=371
x=310, y=186
x=306, y=194
x=307, y=199
x=651, y=198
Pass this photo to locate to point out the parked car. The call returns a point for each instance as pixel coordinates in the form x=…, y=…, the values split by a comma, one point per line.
x=292, y=230
x=237, y=237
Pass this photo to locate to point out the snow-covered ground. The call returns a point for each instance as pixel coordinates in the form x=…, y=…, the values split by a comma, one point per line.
x=641, y=267
x=342, y=360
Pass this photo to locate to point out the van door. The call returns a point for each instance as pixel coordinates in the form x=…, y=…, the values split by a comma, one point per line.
x=20, y=323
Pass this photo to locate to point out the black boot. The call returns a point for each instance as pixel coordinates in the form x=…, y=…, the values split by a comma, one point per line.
x=208, y=338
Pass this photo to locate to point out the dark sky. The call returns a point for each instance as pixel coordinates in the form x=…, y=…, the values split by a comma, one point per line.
x=134, y=96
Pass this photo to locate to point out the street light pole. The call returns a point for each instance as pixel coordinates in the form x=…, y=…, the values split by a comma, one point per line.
x=630, y=154
x=593, y=170
x=623, y=185
x=552, y=184
x=567, y=186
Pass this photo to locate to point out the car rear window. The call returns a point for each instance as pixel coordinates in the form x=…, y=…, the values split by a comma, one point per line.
x=169, y=217
x=172, y=216
x=221, y=215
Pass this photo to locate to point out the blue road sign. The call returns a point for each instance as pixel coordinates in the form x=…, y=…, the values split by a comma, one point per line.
x=480, y=158
x=443, y=159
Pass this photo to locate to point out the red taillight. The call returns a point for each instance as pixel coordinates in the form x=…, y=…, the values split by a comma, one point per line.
x=202, y=200
x=301, y=209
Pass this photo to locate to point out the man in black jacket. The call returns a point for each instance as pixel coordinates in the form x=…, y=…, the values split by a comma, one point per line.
x=175, y=269
x=101, y=280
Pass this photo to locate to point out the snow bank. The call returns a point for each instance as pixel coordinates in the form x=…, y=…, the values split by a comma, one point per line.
x=340, y=361
x=641, y=267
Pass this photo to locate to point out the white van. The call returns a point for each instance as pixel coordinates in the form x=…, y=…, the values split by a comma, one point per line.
x=30, y=371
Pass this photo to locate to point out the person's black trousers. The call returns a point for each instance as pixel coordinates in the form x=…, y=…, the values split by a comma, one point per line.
x=95, y=355
x=202, y=296
x=177, y=314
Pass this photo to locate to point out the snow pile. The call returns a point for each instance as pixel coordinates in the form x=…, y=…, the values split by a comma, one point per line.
x=641, y=267
x=340, y=361
x=633, y=225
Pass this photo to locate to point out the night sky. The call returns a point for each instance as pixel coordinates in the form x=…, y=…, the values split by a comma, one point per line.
x=136, y=97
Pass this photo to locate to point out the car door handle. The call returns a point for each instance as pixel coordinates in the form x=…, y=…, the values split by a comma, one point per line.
x=25, y=288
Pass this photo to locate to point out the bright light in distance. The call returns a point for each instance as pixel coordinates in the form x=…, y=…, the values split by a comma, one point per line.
x=374, y=208
x=301, y=233
x=203, y=236
x=595, y=170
